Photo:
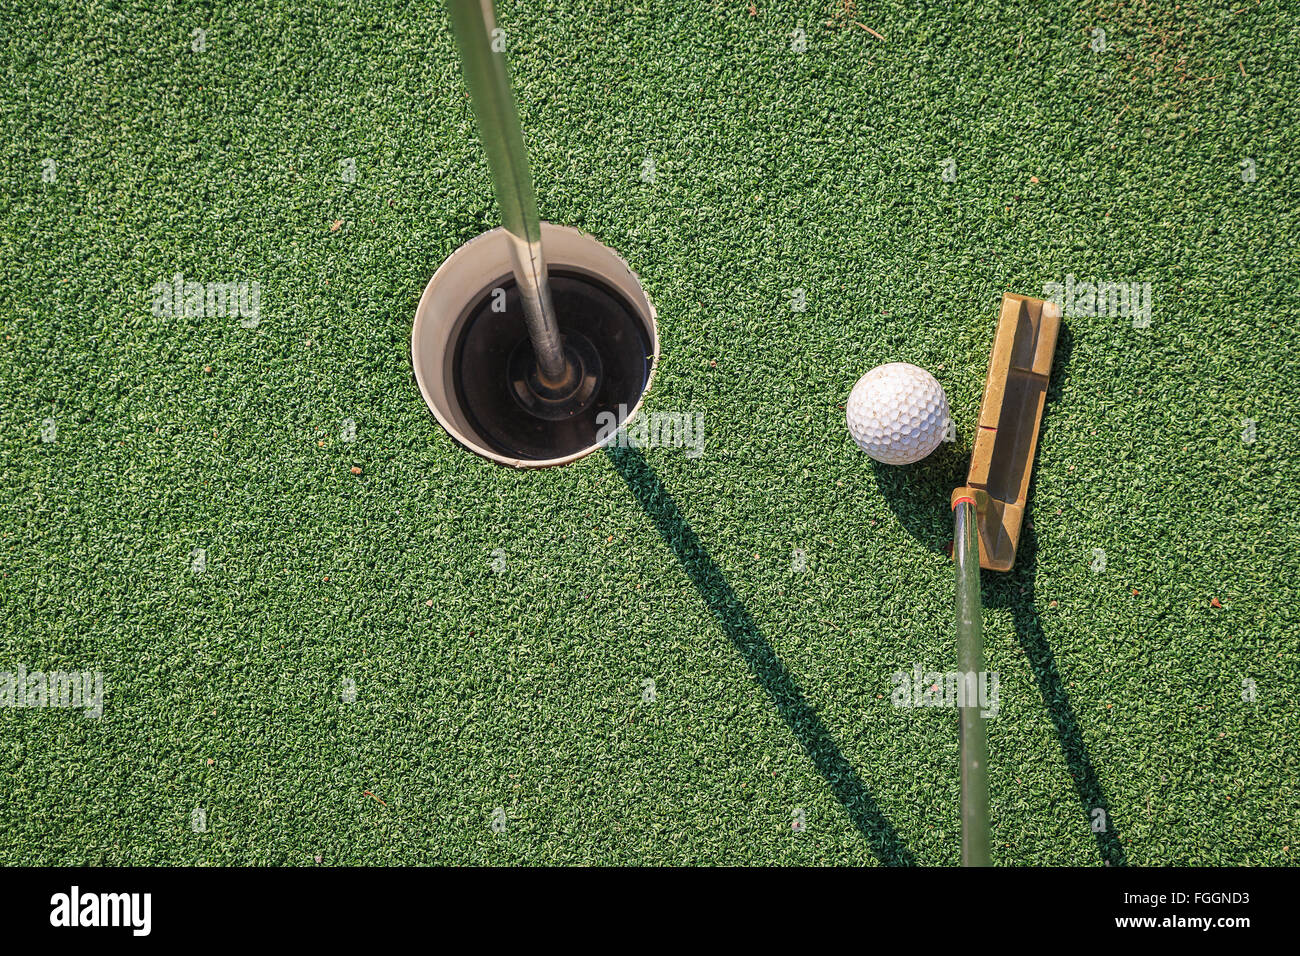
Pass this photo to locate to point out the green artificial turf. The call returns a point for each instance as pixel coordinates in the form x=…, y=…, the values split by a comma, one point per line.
x=524, y=688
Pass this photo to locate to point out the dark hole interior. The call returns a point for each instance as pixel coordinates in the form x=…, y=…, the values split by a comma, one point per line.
x=585, y=307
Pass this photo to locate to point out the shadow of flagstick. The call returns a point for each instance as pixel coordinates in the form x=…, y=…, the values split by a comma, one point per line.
x=758, y=654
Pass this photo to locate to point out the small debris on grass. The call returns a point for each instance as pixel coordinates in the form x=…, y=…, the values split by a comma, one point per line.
x=1136, y=592
x=207, y=369
x=372, y=796
x=753, y=10
x=1214, y=602
x=1053, y=604
x=337, y=225
x=211, y=761
x=1033, y=179
x=429, y=603
x=318, y=858
x=356, y=469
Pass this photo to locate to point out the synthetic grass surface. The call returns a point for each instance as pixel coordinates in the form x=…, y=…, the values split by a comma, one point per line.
x=499, y=627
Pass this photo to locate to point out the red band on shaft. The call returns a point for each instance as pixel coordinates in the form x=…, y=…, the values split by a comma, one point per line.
x=964, y=498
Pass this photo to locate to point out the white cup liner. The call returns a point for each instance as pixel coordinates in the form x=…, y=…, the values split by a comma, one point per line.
x=478, y=265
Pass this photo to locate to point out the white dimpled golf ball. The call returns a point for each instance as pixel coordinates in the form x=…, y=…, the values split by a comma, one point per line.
x=898, y=413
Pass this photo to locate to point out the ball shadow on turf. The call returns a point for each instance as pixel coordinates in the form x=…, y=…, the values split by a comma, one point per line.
x=918, y=494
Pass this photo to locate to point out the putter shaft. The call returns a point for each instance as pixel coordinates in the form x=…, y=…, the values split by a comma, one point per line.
x=483, y=62
x=970, y=661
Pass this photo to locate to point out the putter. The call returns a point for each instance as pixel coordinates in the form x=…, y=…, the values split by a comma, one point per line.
x=987, y=514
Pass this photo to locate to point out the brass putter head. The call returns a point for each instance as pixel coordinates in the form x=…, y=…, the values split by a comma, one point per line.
x=1007, y=432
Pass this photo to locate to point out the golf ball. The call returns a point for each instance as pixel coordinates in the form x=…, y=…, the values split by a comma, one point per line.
x=898, y=413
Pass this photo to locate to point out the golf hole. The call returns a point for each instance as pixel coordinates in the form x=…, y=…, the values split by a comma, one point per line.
x=474, y=364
